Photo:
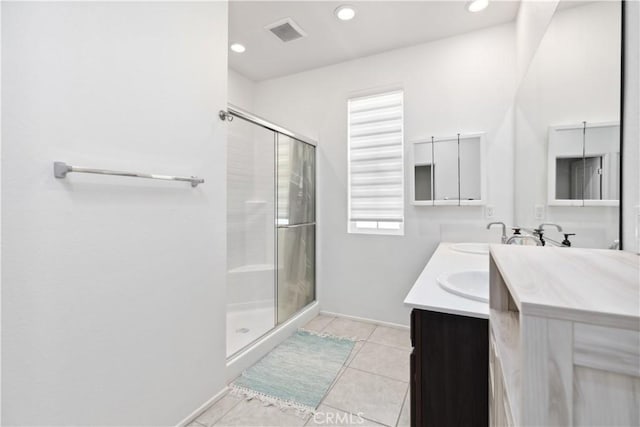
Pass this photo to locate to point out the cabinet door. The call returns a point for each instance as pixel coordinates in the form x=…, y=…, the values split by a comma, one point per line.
x=470, y=169
x=450, y=370
x=445, y=170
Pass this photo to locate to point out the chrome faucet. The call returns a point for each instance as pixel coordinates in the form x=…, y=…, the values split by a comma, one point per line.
x=541, y=226
x=540, y=231
x=521, y=239
x=504, y=230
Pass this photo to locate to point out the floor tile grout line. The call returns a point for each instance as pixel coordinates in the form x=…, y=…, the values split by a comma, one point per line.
x=371, y=333
x=390, y=346
x=348, y=365
x=322, y=402
x=379, y=375
x=333, y=384
x=355, y=321
x=363, y=417
x=240, y=399
x=327, y=325
x=404, y=401
x=340, y=372
x=347, y=362
x=345, y=365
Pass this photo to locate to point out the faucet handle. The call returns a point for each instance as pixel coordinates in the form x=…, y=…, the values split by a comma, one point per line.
x=566, y=241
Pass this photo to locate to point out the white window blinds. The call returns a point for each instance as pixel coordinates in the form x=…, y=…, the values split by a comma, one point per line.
x=376, y=173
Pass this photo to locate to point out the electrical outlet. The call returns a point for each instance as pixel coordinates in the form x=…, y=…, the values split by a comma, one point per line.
x=539, y=212
x=490, y=211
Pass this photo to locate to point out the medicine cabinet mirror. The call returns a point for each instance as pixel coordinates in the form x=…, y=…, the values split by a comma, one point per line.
x=449, y=171
x=584, y=165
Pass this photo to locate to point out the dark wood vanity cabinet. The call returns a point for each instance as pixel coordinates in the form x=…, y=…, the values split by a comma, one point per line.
x=449, y=370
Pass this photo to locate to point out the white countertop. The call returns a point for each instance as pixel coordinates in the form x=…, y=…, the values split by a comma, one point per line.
x=426, y=293
x=584, y=285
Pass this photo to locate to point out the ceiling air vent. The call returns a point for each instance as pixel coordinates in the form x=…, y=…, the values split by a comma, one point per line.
x=286, y=30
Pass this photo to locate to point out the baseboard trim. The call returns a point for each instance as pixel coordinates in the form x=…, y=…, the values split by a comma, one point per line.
x=209, y=403
x=366, y=320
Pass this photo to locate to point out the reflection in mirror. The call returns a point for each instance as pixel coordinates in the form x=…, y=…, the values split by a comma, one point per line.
x=576, y=178
x=602, y=149
x=423, y=172
x=567, y=172
x=424, y=183
x=584, y=165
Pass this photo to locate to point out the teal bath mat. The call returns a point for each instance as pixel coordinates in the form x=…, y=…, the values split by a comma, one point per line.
x=297, y=373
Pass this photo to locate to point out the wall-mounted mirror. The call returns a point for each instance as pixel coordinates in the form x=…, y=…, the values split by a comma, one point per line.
x=584, y=165
x=449, y=171
x=567, y=172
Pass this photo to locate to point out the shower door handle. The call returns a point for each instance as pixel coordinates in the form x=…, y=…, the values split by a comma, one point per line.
x=296, y=225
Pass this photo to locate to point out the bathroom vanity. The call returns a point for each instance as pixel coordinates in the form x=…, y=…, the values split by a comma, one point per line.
x=558, y=344
x=450, y=339
x=564, y=337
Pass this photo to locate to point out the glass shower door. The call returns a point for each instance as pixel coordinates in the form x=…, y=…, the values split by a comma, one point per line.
x=295, y=275
x=251, y=246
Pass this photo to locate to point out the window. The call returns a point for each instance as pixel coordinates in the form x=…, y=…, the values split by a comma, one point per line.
x=376, y=167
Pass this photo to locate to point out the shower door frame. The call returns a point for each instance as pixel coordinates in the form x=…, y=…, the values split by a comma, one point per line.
x=235, y=111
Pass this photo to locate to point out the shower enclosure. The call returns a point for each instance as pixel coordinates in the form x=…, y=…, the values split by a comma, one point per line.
x=271, y=227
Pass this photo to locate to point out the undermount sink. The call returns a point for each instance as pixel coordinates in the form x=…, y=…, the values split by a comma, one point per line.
x=471, y=248
x=472, y=284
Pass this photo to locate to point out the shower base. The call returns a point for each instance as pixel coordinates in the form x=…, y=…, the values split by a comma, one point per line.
x=248, y=322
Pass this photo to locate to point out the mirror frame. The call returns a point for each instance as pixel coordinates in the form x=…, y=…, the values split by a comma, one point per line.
x=551, y=169
x=623, y=8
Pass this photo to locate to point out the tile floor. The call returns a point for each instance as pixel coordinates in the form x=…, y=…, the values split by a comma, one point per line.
x=374, y=383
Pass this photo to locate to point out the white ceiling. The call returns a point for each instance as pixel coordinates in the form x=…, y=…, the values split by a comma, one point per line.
x=378, y=26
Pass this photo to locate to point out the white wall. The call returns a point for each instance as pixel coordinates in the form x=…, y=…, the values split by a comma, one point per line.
x=460, y=84
x=241, y=90
x=631, y=149
x=573, y=76
x=532, y=21
x=113, y=288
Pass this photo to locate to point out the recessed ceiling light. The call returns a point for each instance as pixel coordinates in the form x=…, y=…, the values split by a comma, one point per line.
x=345, y=13
x=237, y=48
x=477, y=5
